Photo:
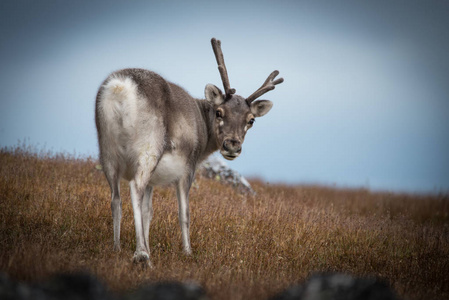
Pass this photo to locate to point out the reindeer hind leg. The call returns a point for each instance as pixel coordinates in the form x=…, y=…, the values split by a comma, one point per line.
x=147, y=214
x=116, y=202
x=141, y=194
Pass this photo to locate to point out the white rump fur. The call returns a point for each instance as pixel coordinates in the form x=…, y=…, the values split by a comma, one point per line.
x=118, y=104
x=116, y=90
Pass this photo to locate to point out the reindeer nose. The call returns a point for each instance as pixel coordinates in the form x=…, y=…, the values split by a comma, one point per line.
x=232, y=145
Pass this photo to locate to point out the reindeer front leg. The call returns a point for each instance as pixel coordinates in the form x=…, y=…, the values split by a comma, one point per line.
x=182, y=191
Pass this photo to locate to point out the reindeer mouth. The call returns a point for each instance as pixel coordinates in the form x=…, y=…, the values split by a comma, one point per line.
x=229, y=156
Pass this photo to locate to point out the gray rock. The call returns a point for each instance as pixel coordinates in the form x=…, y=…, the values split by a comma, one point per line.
x=216, y=168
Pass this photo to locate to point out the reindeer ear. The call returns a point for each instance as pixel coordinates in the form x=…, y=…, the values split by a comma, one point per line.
x=214, y=94
x=261, y=107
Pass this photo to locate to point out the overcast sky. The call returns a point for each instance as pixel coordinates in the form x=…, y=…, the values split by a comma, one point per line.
x=365, y=102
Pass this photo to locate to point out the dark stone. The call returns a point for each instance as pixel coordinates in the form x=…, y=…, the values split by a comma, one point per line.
x=75, y=287
x=168, y=291
x=82, y=286
x=79, y=286
x=338, y=287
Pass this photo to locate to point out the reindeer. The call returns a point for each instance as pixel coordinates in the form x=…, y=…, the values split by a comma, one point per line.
x=152, y=132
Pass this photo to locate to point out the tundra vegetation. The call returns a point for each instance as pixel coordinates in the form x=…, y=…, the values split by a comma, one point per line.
x=55, y=216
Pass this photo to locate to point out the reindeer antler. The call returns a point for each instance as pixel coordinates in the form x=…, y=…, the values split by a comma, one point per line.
x=216, y=45
x=267, y=86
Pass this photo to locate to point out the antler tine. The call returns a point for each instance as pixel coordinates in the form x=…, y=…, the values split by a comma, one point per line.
x=267, y=86
x=216, y=46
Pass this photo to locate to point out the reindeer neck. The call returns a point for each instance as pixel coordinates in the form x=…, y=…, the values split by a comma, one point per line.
x=207, y=114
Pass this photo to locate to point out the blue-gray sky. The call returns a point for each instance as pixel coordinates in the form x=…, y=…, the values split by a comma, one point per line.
x=365, y=102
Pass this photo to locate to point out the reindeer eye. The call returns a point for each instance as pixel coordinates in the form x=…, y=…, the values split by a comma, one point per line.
x=218, y=114
x=251, y=122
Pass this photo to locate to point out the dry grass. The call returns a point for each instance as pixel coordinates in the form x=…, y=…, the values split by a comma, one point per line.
x=55, y=217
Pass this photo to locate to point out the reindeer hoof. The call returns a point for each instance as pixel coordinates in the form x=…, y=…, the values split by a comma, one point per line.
x=141, y=257
x=117, y=248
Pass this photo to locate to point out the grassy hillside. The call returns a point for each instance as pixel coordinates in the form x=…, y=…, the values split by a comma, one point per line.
x=55, y=216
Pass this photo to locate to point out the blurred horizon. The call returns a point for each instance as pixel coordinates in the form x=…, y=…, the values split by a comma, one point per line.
x=365, y=102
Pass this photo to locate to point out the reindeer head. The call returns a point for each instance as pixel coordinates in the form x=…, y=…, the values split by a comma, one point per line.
x=234, y=115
